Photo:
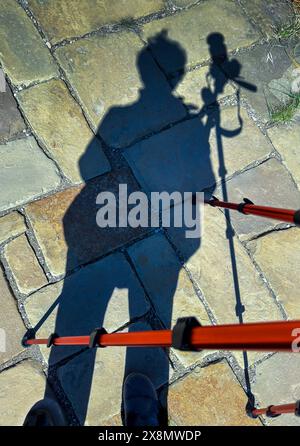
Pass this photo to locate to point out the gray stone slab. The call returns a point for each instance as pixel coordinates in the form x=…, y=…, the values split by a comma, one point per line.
x=11, y=122
x=97, y=397
x=25, y=172
x=105, y=293
x=60, y=20
x=283, y=388
x=269, y=69
x=24, y=54
x=21, y=387
x=12, y=328
x=269, y=184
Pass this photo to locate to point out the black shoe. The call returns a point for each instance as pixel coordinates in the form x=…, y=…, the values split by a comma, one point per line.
x=46, y=412
x=141, y=407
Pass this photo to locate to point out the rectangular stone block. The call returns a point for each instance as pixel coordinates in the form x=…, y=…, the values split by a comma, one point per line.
x=21, y=387
x=202, y=399
x=60, y=125
x=25, y=268
x=276, y=255
x=66, y=228
x=105, y=72
x=25, y=173
x=24, y=55
x=283, y=388
x=11, y=225
x=61, y=19
x=187, y=157
x=285, y=139
x=190, y=29
x=268, y=184
x=12, y=328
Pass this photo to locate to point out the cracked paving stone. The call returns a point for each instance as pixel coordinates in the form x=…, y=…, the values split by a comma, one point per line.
x=59, y=20
x=58, y=122
x=277, y=257
x=21, y=387
x=186, y=157
x=191, y=87
x=168, y=286
x=87, y=379
x=27, y=171
x=209, y=261
x=24, y=266
x=269, y=14
x=283, y=388
x=65, y=223
x=268, y=68
x=103, y=70
x=11, y=324
x=103, y=294
x=24, y=55
x=268, y=184
x=11, y=121
x=285, y=139
x=201, y=399
x=191, y=28
x=11, y=225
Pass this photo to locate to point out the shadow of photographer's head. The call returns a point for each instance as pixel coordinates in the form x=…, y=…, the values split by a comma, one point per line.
x=166, y=52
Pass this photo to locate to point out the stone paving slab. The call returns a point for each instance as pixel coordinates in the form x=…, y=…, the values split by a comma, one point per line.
x=24, y=55
x=202, y=399
x=10, y=322
x=24, y=266
x=269, y=14
x=285, y=139
x=21, y=387
x=60, y=20
x=168, y=286
x=268, y=184
x=11, y=225
x=11, y=122
x=192, y=27
x=66, y=228
x=104, y=71
x=105, y=293
x=27, y=170
x=186, y=158
x=210, y=263
x=58, y=122
x=81, y=384
x=191, y=86
x=276, y=255
x=269, y=69
x=283, y=388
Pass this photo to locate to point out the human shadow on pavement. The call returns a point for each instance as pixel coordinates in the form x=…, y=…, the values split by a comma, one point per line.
x=176, y=159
